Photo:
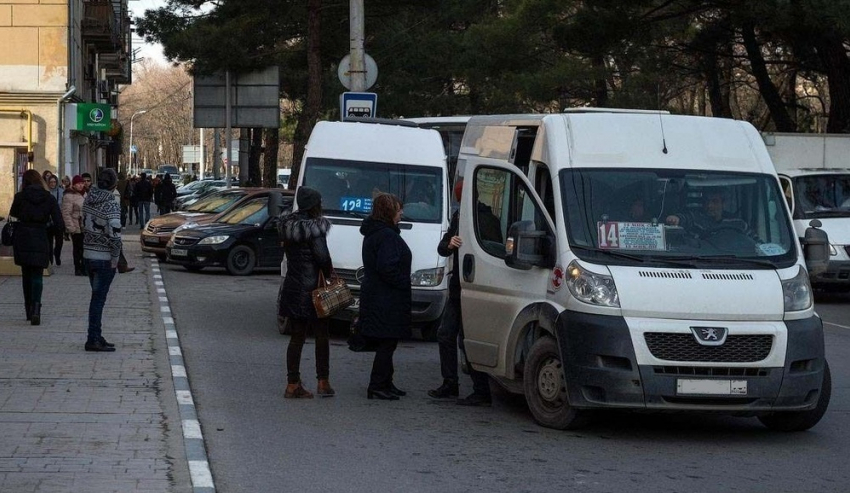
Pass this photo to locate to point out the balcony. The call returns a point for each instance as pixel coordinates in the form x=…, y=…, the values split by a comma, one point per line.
x=105, y=25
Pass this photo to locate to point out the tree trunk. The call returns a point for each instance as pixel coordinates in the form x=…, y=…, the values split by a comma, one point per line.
x=600, y=85
x=254, y=177
x=767, y=89
x=272, y=138
x=310, y=112
x=833, y=55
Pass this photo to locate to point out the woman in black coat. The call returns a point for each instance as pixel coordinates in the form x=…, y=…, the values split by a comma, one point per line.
x=304, y=234
x=34, y=208
x=385, y=295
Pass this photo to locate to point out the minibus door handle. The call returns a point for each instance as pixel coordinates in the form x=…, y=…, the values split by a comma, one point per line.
x=468, y=268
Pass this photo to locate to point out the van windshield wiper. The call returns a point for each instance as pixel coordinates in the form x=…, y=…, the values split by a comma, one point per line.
x=733, y=260
x=358, y=215
x=610, y=253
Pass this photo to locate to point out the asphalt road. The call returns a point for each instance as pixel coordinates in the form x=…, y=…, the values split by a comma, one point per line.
x=259, y=442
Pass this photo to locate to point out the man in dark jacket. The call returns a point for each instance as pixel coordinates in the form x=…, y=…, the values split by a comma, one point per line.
x=101, y=251
x=450, y=333
x=144, y=195
x=167, y=194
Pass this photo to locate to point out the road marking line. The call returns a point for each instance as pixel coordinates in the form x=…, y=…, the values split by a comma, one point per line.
x=201, y=475
x=199, y=470
x=192, y=429
x=184, y=397
x=837, y=325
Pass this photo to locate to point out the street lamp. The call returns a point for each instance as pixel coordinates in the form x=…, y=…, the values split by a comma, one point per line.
x=130, y=149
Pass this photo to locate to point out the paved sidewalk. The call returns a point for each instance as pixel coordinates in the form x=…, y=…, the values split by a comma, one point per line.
x=76, y=421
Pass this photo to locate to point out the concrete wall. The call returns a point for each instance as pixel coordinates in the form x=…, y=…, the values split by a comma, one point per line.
x=33, y=74
x=33, y=45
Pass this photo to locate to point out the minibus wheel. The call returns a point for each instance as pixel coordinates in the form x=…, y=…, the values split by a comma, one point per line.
x=545, y=387
x=802, y=420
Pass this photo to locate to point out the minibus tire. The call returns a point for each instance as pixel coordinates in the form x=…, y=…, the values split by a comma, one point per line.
x=546, y=390
x=802, y=420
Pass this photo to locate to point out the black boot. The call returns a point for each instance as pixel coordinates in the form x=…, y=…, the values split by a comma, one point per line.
x=28, y=307
x=448, y=389
x=36, y=314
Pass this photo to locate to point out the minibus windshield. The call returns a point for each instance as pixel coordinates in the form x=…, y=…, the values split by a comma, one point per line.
x=348, y=187
x=677, y=217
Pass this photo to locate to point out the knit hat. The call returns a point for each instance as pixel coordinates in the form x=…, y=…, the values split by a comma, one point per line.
x=77, y=179
x=107, y=179
x=307, y=198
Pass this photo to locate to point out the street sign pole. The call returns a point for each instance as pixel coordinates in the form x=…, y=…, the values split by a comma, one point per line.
x=356, y=28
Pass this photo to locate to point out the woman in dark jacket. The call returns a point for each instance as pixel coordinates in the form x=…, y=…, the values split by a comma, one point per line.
x=304, y=235
x=33, y=208
x=385, y=295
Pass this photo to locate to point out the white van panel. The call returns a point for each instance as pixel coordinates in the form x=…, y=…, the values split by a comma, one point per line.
x=377, y=143
x=700, y=294
x=351, y=257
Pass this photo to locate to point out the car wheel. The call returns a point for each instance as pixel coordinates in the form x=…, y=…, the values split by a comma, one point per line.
x=802, y=420
x=240, y=260
x=193, y=268
x=546, y=390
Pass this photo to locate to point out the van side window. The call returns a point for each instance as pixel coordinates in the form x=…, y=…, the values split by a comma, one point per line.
x=501, y=199
x=543, y=187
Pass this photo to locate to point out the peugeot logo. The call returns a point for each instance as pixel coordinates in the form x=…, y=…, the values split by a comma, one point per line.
x=360, y=274
x=710, y=336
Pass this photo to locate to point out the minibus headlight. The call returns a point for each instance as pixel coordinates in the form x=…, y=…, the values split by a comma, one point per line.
x=427, y=277
x=797, y=292
x=592, y=288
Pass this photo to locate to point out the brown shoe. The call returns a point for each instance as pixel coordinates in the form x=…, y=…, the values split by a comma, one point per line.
x=123, y=269
x=296, y=391
x=324, y=389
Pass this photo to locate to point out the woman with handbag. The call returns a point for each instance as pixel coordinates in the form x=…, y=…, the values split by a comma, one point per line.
x=304, y=234
x=34, y=208
x=385, y=294
x=72, y=214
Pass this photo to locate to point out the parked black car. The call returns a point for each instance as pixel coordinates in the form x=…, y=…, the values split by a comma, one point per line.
x=240, y=241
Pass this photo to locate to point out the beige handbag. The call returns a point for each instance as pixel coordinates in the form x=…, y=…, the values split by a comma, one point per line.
x=331, y=296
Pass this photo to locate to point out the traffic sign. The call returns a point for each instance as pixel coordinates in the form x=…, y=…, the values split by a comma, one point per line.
x=361, y=104
x=134, y=149
x=369, y=65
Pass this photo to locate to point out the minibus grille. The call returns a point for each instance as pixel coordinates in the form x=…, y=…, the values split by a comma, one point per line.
x=727, y=277
x=665, y=274
x=683, y=347
x=711, y=371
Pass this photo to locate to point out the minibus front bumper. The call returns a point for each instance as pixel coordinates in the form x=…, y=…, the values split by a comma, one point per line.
x=601, y=371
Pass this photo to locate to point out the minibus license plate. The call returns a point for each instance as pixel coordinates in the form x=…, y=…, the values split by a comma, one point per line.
x=179, y=252
x=687, y=386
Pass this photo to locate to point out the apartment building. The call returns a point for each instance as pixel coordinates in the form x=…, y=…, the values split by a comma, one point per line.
x=61, y=62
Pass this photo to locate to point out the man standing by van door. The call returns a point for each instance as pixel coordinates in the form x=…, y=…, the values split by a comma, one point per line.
x=450, y=333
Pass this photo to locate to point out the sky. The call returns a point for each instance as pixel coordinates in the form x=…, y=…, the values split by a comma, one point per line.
x=147, y=50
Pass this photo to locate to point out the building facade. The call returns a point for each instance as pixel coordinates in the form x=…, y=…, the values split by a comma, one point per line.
x=55, y=55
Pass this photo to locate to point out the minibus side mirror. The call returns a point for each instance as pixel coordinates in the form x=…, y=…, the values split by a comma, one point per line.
x=527, y=247
x=816, y=248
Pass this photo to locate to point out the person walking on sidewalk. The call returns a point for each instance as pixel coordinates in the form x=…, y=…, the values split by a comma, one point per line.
x=56, y=237
x=101, y=249
x=123, y=265
x=385, y=295
x=144, y=195
x=304, y=234
x=72, y=214
x=34, y=209
x=450, y=333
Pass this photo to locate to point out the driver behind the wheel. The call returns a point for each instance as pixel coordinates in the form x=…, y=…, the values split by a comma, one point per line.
x=710, y=218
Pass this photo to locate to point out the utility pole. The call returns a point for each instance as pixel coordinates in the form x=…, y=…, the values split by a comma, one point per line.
x=228, y=137
x=358, y=55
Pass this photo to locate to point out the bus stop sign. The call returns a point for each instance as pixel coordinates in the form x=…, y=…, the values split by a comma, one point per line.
x=361, y=104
